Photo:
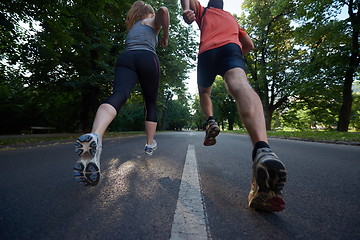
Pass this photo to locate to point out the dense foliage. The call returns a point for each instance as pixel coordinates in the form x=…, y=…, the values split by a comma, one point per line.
x=57, y=61
x=305, y=58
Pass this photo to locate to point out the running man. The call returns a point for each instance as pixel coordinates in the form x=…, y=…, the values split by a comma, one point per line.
x=222, y=46
x=138, y=62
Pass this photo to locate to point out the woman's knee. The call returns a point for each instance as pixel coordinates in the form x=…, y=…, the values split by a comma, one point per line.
x=117, y=99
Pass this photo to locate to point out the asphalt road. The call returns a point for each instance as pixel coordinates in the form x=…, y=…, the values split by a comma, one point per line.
x=141, y=197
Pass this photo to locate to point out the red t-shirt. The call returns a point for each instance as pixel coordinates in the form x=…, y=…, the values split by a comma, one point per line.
x=218, y=28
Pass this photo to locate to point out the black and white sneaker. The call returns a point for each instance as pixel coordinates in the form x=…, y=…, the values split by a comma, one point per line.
x=268, y=180
x=87, y=168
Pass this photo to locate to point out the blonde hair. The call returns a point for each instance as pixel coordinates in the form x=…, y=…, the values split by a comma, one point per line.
x=138, y=11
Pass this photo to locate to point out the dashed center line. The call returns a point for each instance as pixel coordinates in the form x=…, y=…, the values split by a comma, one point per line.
x=189, y=219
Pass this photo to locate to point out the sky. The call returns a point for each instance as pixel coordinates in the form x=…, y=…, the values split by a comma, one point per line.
x=232, y=6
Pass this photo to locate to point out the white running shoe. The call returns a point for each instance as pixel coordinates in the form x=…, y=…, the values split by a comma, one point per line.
x=149, y=149
x=87, y=168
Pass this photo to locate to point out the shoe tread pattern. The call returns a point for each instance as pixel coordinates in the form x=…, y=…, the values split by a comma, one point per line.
x=211, y=133
x=88, y=176
x=270, y=176
x=85, y=145
x=85, y=171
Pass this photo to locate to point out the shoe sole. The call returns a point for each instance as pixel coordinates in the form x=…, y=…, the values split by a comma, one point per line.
x=210, y=137
x=87, y=176
x=270, y=180
x=150, y=152
x=85, y=146
x=262, y=202
x=271, y=175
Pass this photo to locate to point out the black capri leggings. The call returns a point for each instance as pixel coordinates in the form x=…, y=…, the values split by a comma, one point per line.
x=132, y=66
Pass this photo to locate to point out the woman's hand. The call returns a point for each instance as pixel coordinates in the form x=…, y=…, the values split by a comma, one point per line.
x=164, y=40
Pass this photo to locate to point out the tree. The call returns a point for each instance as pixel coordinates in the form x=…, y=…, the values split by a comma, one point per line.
x=271, y=64
x=178, y=115
x=333, y=48
x=176, y=60
x=224, y=105
x=353, y=64
x=71, y=55
x=76, y=50
x=71, y=51
x=304, y=52
x=131, y=116
x=197, y=116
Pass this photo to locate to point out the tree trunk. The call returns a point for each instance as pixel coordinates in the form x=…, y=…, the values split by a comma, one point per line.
x=231, y=125
x=168, y=96
x=268, y=118
x=163, y=120
x=345, y=110
x=90, y=104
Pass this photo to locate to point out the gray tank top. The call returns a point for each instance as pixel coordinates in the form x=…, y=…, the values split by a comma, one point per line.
x=141, y=37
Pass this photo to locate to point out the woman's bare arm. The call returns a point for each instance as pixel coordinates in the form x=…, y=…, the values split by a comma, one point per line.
x=162, y=20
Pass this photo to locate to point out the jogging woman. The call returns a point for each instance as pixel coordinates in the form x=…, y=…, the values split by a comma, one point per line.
x=138, y=62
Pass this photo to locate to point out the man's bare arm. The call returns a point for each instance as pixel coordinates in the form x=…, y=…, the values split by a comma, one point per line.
x=247, y=44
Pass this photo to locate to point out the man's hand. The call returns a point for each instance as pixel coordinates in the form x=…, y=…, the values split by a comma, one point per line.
x=189, y=16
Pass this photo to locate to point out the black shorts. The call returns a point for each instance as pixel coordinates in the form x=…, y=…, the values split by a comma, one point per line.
x=217, y=62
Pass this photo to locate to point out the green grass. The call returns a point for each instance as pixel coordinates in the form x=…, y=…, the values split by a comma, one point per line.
x=314, y=135
x=6, y=141
x=11, y=141
x=21, y=140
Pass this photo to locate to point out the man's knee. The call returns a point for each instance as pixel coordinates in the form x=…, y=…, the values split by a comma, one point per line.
x=247, y=113
x=204, y=91
x=236, y=76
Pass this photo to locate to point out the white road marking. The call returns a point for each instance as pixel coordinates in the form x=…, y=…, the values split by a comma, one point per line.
x=189, y=219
